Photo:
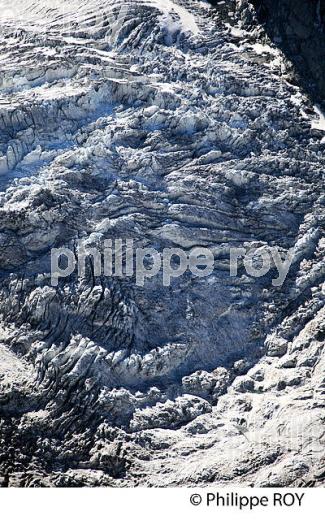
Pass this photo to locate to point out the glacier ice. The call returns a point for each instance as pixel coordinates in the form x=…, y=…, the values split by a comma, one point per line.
x=172, y=124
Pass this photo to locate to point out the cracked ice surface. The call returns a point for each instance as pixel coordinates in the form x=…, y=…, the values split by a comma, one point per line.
x=174, y=126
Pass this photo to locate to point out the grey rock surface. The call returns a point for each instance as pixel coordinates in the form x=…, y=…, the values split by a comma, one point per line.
x=299, y=29
x=171, y=124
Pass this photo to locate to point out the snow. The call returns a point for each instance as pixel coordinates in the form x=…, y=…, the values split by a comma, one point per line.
x=264, y=49
x=189, y=141
x=318, y=124
x=235, y=31
x=77, y=41
x=187, y=19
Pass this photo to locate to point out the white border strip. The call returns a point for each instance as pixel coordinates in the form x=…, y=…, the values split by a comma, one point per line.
x=167, y=504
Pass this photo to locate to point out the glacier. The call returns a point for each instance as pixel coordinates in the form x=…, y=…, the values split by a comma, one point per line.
x=175, y=124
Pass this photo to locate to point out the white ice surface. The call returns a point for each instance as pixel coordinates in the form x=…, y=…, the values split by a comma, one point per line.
x=187, y=19
x=319, y=123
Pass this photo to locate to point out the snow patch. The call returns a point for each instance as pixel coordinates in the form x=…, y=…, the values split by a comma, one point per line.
x=318, y=124
x=264, y=49
x=235, y=31
x=187, y=19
